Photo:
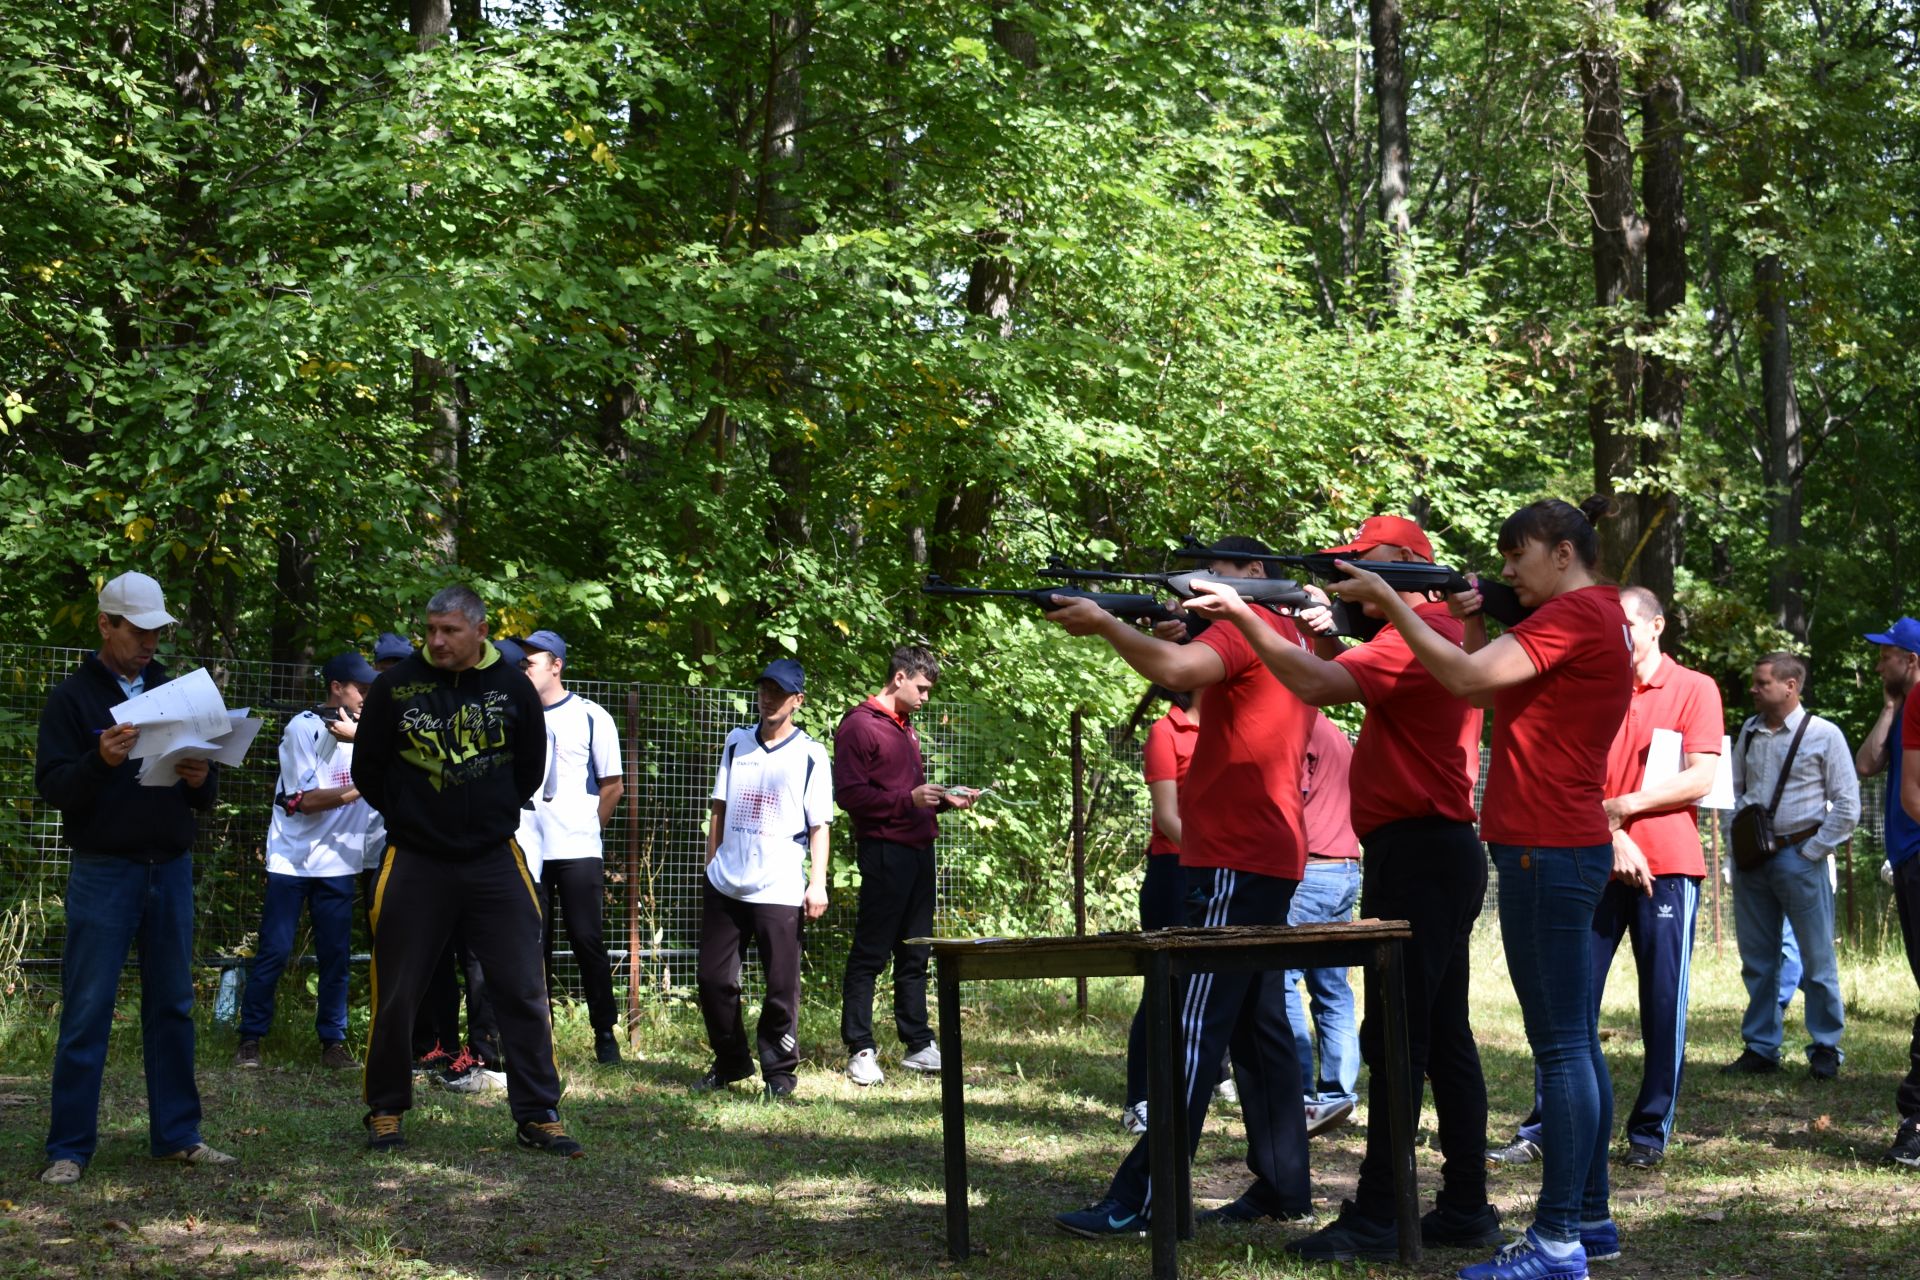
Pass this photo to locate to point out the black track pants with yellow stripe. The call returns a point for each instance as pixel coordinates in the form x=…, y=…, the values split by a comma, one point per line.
x=418, y=902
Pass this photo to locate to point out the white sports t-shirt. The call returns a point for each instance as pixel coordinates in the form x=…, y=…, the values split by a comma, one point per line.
x=773, y=798
x=583, y=746
x=332, y=843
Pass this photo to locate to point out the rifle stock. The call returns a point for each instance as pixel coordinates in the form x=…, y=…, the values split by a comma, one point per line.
x=1132, y=606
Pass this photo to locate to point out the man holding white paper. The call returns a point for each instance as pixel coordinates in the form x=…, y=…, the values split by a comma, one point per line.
x=131, y=877
x=1662, y=762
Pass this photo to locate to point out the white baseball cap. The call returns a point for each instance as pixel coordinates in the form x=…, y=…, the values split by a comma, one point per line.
x=137, y=598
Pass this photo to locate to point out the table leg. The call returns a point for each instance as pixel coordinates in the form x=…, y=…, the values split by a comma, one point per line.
x=953, y=1112
x=1393, y=1008
x=1164, y=1163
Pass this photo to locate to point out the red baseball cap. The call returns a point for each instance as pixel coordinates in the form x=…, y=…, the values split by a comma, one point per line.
x=1390, y=531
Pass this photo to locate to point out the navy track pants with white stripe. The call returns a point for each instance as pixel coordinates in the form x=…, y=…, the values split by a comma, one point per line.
x=1245, y=1012
x=1661, y=928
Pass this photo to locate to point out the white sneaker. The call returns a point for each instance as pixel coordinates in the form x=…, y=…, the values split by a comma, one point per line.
x=925, y=1060
x=476, y=1080
x=201, y=1153
x=61, y=1173
x=863, y=1068
x=1226, y=1092
x=1134, y=1118
x=1322, y=1116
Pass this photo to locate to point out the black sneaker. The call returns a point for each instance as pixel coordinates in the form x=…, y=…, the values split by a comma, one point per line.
x=1823, y=1062
x=712, y=1081
x=549, y=1136
x=778, y=1089
x=1349, y=1238
x=1447, y=1228
x=1750, y=1063
x=1098, y=1221
x=1240, y=1212
x=606, y=1049
x=1640, y=1155
x=383, y=1131
x=248, y=1054
x=1906, y=1145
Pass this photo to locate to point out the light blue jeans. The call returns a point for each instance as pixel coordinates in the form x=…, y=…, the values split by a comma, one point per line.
x=1326, y=894
x=1787, y=888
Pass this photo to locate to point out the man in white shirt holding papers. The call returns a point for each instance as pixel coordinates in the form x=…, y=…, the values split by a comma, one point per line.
x=766, y=868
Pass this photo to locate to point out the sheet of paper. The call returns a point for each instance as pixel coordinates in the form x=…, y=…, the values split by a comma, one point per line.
x=232, y=749
x=159, y=771
x=1663, y=759
x=192, y=701
x=1721, y=797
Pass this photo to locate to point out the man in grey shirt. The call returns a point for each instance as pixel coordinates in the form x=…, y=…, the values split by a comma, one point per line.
x=1819, y=807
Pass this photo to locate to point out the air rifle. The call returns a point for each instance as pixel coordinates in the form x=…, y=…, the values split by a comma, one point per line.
x=1498, y=600
x=1131, y=606
x=1279, y=594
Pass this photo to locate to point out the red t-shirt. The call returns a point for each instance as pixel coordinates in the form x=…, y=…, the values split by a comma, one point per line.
x=1169, y=752
x=1419, y=749
x=1687, y=703
x=1324, y=806
x=1547, y=775
x=1910, y=721
x=1240, y=807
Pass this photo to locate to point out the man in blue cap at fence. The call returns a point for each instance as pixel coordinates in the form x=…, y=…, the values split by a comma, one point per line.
x=1898, y=667
x=316, y=849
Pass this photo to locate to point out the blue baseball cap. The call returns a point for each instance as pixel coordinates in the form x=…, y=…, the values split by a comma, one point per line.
x=348, y=668
x=1904, y=634
x=510, y=650
x=786, y=673
x=546, y=642
x=390, y=646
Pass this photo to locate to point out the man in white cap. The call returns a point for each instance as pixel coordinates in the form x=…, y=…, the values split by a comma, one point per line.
x=131, y=877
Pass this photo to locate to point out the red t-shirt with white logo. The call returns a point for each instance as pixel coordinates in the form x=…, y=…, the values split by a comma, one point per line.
x=1169, y=752
x=1240, y=807
x=1419, y=749
x=1686, y=703
x=1548, y=771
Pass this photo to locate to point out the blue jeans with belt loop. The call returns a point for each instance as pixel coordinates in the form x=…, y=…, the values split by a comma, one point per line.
x=1547, y=901
x=1326, y=895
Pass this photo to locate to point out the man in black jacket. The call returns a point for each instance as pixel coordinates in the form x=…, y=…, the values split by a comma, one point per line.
x=452, y=742
x=131, y=877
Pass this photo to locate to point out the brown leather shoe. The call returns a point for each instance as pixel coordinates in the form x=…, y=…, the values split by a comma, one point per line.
x=334, y=1057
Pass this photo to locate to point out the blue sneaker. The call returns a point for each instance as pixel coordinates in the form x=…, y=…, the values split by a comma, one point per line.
x=1524, y=1260
x=1601, y=1243
x=1108, y=1218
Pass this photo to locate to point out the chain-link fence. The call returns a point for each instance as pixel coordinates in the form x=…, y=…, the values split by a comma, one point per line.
x=670, y=744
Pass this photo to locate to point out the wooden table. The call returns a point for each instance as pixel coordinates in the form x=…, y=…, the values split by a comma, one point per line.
x=1160, y=957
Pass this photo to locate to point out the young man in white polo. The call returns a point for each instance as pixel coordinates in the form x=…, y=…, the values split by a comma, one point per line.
x=766, y=871
x=570, y=811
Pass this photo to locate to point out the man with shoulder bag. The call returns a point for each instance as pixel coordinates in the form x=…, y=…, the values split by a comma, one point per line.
x=1797, y=799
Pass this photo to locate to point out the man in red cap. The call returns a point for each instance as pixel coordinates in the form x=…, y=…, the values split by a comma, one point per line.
x=1411, y=786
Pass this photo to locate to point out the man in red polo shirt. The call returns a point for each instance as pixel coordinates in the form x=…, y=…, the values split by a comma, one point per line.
x=1661, y=762
x=1243, y=847
x=1411, y=787
x=880, y=779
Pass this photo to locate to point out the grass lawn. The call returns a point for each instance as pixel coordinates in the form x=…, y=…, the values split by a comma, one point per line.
x=1777, y=1178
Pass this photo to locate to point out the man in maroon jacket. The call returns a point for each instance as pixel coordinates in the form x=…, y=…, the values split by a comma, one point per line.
x=880, y=779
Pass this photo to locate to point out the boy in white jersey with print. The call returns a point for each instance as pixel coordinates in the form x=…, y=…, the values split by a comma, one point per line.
x=766, y=869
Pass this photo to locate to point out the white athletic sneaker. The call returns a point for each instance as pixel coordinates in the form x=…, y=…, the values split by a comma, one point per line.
x=1134, y=1118
x=1226, y=1091
x=475, y=1079
x=61, y=1173
x=863, y=1068
x=1322, y=1116
x=925, y=1059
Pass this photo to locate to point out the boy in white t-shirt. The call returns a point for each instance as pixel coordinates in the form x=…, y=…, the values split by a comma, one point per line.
x=316, y=843
x=766, y=869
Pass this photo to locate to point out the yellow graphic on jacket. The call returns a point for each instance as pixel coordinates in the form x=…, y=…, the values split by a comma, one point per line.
x=456, y=748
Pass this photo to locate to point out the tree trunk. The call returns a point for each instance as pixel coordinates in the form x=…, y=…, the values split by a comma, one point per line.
x=433, y=401
x=1619, y=239
x=290, y=634
x=777, y=224
x=1663, y=383
x=1390, y=102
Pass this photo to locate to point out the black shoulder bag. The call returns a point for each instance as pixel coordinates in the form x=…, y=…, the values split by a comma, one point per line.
x=1751, y=833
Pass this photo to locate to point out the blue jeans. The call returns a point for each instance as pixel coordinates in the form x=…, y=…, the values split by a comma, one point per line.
x=111, y=904
x=1547, y=900
x=1787, y=888
x=329, y=899
x=1326, y=895
x=1791, y=970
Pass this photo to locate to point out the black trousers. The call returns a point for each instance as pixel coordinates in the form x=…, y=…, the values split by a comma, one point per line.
x=1906, y=898
x=726, y=925
x=578, y=887
x=421, y=902
x=1163, y=904
x=1246, y=1012
x=1432, y=873
x=896, y=903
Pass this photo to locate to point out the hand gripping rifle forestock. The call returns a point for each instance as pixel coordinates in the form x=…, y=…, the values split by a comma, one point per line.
x=1282, y=595
x=1131, y=606
x=1434, y=581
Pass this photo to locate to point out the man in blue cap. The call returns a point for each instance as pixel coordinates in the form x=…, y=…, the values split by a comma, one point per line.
x=390, y=649
x=1898, y=667
x=316, y=849
x=766, y=869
